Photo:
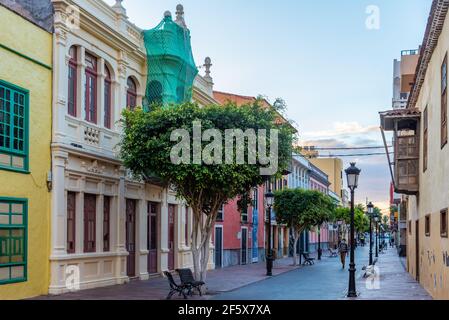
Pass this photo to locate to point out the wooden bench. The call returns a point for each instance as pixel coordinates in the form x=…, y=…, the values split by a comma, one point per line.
x=307, y=259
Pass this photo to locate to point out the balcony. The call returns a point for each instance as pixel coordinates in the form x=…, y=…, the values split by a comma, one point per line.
x=405, y=126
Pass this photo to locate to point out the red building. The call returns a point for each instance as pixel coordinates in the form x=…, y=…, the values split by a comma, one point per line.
x=240, y=237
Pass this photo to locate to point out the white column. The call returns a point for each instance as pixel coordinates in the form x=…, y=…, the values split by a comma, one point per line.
x=142, y=235
x=100, y=218
x=164, y=231
x=59, y=205
x=119, y=230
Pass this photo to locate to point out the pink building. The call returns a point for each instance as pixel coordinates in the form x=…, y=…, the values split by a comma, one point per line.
x=239, y=235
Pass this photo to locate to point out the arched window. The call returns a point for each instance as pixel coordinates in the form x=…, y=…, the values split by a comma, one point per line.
x=107, y=98
x=71, y=100
x=131, y=94
x=91, y=88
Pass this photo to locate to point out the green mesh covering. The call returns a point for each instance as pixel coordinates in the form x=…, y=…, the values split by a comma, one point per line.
x=171, y=67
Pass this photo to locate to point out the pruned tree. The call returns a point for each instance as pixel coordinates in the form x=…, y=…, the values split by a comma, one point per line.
x=300, y=210
x=159, y=143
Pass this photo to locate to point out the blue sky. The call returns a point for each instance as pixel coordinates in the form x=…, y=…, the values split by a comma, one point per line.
x=334, y=73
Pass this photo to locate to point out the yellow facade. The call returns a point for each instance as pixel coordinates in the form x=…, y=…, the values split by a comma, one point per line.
x=333, y=167
x=25, y=62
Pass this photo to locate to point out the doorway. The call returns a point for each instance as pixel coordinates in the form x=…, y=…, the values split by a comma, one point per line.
x=152, y=213
x=131, y=237
x=244, y=246
x=171, y=236
x=218, y=242
x=417, y=248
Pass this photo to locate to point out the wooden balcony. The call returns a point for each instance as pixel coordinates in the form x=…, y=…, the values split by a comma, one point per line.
x=405, y=126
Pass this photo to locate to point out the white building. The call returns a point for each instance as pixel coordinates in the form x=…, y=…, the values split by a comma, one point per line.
x=106, y=227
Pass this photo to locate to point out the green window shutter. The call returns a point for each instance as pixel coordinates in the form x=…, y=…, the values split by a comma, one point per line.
x=14, y=113
x=13, y=240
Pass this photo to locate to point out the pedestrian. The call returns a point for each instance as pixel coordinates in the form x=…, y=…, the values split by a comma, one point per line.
x=343, y=249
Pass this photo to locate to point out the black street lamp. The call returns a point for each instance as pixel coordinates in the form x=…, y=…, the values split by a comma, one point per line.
x=370, y=214
x=269, y=198
x=352, y=174
x=376, y=218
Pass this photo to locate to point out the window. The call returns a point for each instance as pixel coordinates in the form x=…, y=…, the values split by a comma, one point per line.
x=220, y=215
x=426, y=137
x=14, y=107
x=73, y=65
x=131, y=95
x=107, y=98
x=13, y=243
x=71, y=224
x=244, y=214
x=410, y=227
x=91, y=89
x=89, y=222
x=186, y=231
x=444, y=102
x=427, y=225
x=106, y=224
x=255, y=199
x=443, y=223
x=152, y=225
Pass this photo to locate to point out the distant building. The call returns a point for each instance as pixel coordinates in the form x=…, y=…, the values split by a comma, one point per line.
x=403, y=77
x=333, y=167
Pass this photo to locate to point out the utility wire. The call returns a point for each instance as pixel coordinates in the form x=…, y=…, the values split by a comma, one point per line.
x=348, y=155
x=343, y=148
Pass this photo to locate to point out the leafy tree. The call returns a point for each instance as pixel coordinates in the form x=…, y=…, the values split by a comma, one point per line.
x=208, y=182
x=301, y=209
x=361, y=220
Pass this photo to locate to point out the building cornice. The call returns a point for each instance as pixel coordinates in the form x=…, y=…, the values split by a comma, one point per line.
x=434, y=28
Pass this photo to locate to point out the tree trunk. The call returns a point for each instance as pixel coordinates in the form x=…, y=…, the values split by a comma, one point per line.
x=294, y=248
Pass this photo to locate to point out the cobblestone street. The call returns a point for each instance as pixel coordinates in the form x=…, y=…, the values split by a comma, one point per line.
x=325, y=280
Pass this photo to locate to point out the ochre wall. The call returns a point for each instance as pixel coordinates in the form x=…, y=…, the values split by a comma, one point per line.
x=433, y=186
x=32, y=41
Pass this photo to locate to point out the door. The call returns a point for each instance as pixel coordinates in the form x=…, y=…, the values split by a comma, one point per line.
x=218, y=242
x=255, y=246
x=244, y=246
x=417, y=248
x=152, y=213
x=131, y=237
x=171, y=236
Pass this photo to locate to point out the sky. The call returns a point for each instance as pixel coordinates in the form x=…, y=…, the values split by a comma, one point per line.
x=330, y=60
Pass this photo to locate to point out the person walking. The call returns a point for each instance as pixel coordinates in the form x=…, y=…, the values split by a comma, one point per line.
x=343, y=249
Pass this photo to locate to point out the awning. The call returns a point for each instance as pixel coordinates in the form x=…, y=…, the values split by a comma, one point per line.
x=388, y=118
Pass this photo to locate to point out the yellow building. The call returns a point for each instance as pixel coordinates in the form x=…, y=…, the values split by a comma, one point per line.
x=333, y=167
x=25, y=134
x=420, y=164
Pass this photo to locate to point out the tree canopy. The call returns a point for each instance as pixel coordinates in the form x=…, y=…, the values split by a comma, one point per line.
x=301, y=209
x=183, y=146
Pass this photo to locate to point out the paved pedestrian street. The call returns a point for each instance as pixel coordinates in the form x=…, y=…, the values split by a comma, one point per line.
x=325, y=280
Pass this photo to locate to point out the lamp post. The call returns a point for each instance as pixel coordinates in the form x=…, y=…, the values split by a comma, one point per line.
x=376, y=218
x=269, y=198
x=352, y=174
x=370, y=214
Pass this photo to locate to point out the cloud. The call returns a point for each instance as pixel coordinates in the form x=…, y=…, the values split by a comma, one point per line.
x=341, y=129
